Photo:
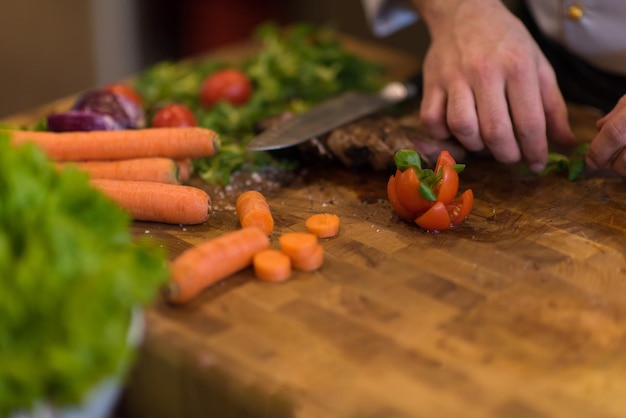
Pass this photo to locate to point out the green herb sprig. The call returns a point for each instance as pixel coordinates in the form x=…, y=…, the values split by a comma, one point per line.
x=572, y=165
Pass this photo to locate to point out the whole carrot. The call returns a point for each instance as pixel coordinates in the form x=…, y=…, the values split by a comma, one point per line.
x=175, y=143
x=161, y=170
x=211, y=261
x=158, y=202
x=253, y=210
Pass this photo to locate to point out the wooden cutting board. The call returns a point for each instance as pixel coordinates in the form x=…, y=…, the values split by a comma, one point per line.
x=518, y=312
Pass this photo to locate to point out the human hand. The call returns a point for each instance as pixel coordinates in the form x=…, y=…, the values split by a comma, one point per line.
x=608, y=147
x=487, y=83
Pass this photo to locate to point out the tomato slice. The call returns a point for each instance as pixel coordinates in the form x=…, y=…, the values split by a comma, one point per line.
x=436, y=218
x=447, y=188
x=408, y=186
x=392, y=195
x=461, y=207
x=444, y=158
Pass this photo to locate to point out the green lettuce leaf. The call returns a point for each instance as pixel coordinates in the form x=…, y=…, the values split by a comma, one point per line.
x=70, y=277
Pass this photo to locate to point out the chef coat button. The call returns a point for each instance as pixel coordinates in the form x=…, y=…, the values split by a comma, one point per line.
x=575, y=12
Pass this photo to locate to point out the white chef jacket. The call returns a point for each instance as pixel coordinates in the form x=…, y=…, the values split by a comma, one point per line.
x=594, y=30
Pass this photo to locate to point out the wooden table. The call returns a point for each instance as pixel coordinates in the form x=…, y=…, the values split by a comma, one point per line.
x=518, y=312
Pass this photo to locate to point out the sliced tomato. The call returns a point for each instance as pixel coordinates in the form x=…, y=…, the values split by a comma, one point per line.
x=392, y=195
x=461, y=207
x=444, y=158
x=436, y=218
x=408, y=189
x=447, y=188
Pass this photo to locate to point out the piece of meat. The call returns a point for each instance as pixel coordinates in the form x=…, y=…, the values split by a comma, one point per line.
x=371, y=141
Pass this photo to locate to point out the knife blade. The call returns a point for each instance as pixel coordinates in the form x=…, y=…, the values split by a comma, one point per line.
x=335, y=113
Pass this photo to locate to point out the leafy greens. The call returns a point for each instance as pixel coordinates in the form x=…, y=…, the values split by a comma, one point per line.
x=292, y=71
x=70, y=278
x=572, y=165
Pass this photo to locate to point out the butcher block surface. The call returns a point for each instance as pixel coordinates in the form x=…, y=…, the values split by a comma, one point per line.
x=520, y=311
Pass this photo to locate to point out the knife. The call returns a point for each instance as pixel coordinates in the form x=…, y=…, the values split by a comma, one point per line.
x=335, y=113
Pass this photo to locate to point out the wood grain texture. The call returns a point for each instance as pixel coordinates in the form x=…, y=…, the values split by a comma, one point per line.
x=520, y=311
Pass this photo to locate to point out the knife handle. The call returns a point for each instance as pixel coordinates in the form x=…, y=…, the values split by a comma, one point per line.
x=401, y=90
x=414, y=84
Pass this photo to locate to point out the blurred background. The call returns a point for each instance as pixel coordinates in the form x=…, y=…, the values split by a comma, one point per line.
x=52, y=49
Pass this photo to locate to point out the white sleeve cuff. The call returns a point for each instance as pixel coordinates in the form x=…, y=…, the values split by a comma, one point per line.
x=388, y=16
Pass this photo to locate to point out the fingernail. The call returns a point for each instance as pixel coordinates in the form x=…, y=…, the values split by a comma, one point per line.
x=536, y=167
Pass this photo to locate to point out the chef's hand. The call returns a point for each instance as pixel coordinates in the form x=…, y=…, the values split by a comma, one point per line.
x=608, y=148
x=487, y=83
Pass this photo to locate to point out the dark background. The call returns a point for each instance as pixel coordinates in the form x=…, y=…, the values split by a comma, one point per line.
x=54, y=49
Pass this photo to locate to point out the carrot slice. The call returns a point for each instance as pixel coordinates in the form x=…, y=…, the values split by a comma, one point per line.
x=324, y=225
x=160, y=170
x=158, y=202
x=211, y=261
x=272, y=265
x=253, y=210
x=297, y=245
x=175, y=143
x=311, y=262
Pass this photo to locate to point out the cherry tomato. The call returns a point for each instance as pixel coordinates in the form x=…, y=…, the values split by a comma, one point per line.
x=174, y=116
x=407, y=186
x=447, y=188
x=124, y=90
x=230, y=85
x=392, y=195
x=436, y=218
x=444, y=158
x=461, y=207
x=447, y=210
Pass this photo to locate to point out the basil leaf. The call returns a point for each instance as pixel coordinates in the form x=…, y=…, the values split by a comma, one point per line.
x=406, y=158
x=458, y=167
x=573, y=166
x=427, y=192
